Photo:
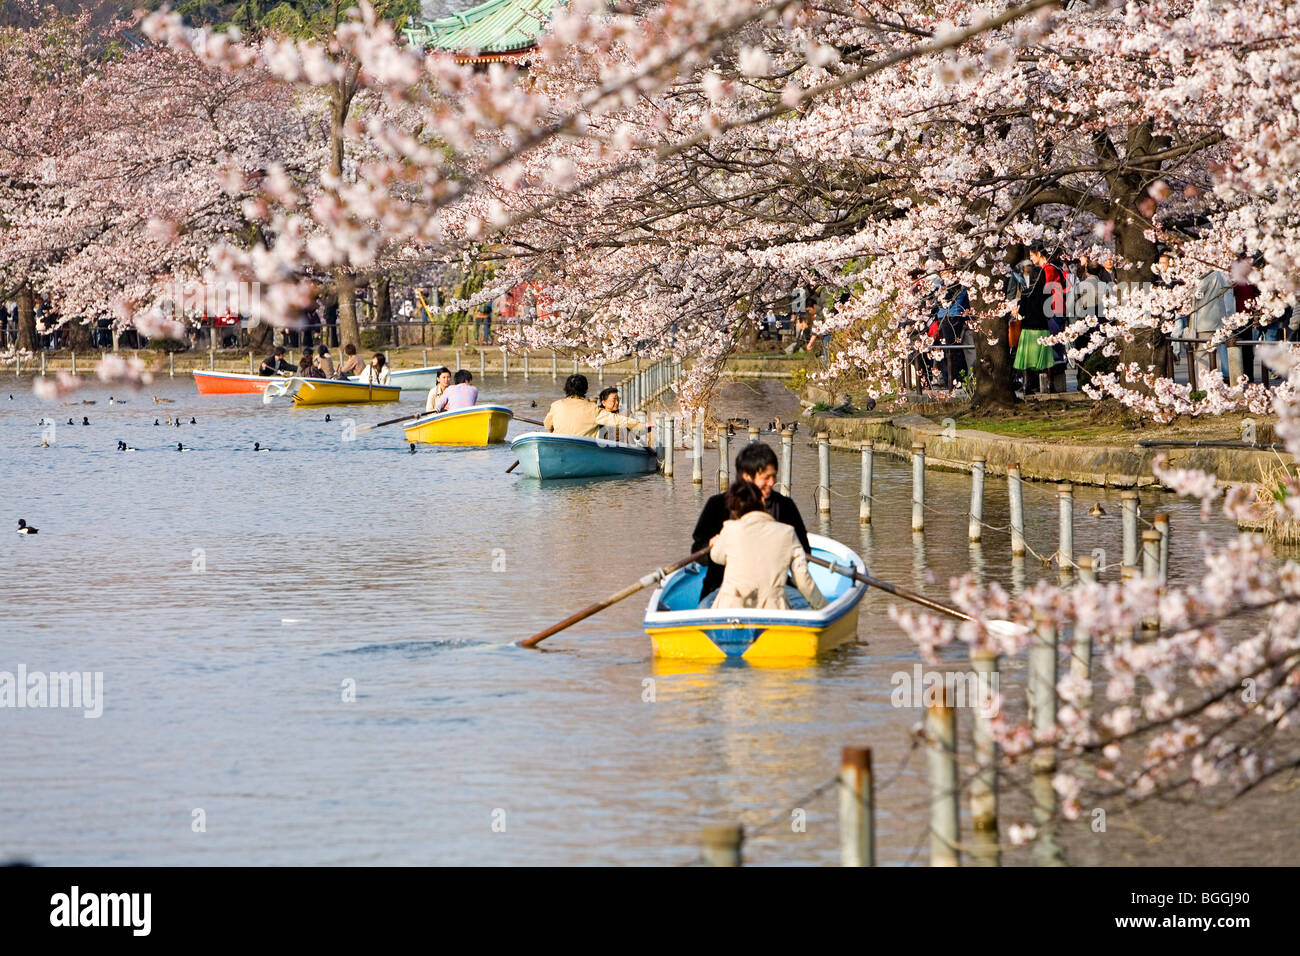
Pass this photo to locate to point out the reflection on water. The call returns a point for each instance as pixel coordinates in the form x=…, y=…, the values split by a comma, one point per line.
x=333, y=568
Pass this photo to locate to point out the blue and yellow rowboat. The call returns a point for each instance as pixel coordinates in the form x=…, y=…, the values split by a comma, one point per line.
x=479, y=425
x=551, y=455
x=679, y=628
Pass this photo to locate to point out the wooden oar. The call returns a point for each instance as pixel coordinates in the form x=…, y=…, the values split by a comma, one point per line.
x=362, y=429
x=530, y=421
x=852, y=572
x=513, y=467
x=654, y=577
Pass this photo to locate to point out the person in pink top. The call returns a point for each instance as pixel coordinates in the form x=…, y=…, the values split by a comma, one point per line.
x=461, y=395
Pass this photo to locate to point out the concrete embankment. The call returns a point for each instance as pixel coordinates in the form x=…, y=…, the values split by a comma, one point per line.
x=1109, y=465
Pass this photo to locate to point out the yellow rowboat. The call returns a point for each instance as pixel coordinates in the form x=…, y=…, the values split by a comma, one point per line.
x=328, y=391
x=478, y=425
x=680, y=628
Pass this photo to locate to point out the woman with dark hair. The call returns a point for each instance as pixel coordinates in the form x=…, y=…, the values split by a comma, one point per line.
x=757, y=552
x=441, y=383
x=306, y=367
x=376, y=373
x=575, y=415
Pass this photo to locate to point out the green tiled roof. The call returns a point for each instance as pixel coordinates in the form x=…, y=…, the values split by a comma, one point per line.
x=498, y=26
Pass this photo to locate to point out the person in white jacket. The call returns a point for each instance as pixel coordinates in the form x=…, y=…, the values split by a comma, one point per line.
x=376, y=373
x=1213, y=304
x=757, y=552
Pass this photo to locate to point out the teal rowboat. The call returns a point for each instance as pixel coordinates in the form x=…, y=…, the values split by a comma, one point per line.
x=547, y=455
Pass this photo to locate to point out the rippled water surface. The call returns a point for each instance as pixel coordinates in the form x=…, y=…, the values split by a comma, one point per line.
x=329, y=562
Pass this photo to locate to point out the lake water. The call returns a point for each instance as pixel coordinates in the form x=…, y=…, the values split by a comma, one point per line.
x=231, y=598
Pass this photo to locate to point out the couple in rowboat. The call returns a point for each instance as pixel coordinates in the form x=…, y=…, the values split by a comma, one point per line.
x=446, y=396
x=756, y=537
x=575, y=414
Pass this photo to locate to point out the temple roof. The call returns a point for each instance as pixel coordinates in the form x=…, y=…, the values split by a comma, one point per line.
x=497, y=29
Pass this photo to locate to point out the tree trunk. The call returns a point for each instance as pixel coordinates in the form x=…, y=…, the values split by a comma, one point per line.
x=26, y=319
x=992, y=364
x=79, y=336
x=260, y=337
x=382, y=285
x=344, y=89
x=1149, y=348
x=349, y=329
x=1128, y=184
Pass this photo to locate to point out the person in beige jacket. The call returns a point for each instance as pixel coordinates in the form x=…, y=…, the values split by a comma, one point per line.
x=575, y=415
x=757, y=551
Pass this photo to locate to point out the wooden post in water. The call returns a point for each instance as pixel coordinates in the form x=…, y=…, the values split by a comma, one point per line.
x=505, y=365
x=720, y=845
x=918, y=487
x=984, y=784
x=1151, y=569
x=1081, y=645
x=252, y=370
x=857, y=823
x=1065, y=546
x=171, y=364
x=787, y=455
x=975, y=528
x=424, y=358
x=941, y=762
x=526, y=369
x=1017, y=511
x=1042, y=697
x=1129, y=504
x=575, y=365
x=555, y=367
x=823, y=473
x=1151, y=554
x=482, y=364
x=868, y=466
x=697, y=453
x=669, y=444
x=212, y=360
x=42, y=363
x=1162, y=526
x=724, y=466
x=458, y=365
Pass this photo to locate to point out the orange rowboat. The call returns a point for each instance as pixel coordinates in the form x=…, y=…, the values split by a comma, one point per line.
x=232, y=383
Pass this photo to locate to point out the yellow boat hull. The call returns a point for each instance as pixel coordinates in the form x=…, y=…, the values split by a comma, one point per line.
x=314, y=391
x=775, y=642
x=683, y=625
x=480, y=425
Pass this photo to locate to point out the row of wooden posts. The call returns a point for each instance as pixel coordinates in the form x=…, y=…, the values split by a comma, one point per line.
x=1154, y=543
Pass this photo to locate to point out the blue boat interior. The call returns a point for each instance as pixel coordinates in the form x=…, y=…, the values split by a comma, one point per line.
x=682, y=590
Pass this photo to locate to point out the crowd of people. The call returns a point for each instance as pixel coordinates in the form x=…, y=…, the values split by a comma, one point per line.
x=1046, y=294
